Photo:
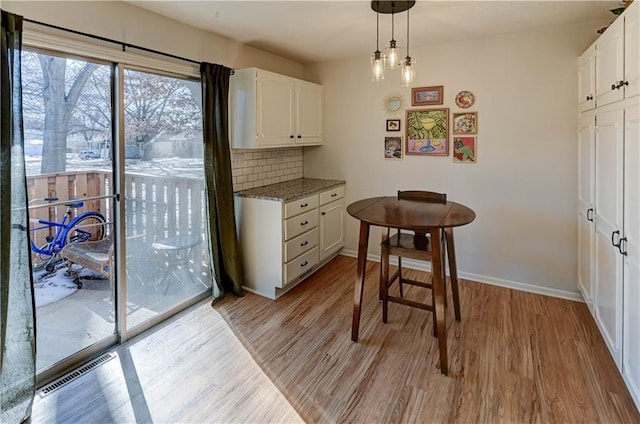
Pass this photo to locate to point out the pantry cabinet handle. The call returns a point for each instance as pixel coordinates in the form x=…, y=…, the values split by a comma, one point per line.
x=304, y=243
x=291, y=136
x=304, y=222
x=305, y=263
x=614, y=86
x=590, y=214
x=612, y=237
x=623, y=239
x=323, y=213
x=304, y=205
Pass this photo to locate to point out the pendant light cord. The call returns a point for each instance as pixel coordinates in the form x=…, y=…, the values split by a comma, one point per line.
x=378, y=28
x=407, y=32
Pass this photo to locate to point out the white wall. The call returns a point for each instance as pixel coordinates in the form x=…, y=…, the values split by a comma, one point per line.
x=523, y=186
x=128, y=23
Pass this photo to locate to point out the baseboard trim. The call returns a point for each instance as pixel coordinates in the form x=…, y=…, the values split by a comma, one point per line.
x=516, y=285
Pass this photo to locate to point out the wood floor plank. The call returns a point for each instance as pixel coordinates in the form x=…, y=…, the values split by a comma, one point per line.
x=514, y=357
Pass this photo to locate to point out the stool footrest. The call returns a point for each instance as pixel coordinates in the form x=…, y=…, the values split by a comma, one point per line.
x=416, y=283
x=406, y=302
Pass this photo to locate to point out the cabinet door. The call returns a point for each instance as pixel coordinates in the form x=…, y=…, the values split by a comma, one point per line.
x=586, y=229
x=331, y=228
x=608, y=205
x=632, y=51
x=631, y=341
x=274, y=110
x=309, y=125
x=610, y=64
x=586, y=79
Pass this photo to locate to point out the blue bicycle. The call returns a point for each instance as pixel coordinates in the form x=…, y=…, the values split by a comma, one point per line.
x=88, y=226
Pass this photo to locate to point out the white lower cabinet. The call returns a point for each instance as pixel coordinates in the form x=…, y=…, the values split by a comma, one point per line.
x=283, y=243
x=331, y=222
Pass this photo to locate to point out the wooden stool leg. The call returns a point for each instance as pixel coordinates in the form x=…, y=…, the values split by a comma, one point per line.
x=384, y=281
x=400, y=275
x=453, y=271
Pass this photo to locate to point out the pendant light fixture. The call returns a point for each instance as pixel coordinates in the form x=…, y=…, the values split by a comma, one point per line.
x=393, y=51
x=377, y=58
x=408, y=68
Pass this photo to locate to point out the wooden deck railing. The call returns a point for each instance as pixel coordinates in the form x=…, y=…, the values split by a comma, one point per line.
x=184, y=199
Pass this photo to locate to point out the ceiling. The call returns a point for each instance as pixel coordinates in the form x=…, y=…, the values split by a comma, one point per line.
x=311, y=31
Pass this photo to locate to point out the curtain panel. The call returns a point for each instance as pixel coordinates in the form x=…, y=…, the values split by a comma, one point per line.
x=225, y=252
x=17, y=326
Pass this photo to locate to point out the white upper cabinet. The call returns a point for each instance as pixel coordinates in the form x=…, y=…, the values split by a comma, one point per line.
x=270, y=110
x=610, y=64
x=586, y=79
x=274, y=110
x=632, y=52
x=617, y=63
x=308, y=113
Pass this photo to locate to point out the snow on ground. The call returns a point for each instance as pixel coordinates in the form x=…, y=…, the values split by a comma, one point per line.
x=49, y=287
x=166, y=167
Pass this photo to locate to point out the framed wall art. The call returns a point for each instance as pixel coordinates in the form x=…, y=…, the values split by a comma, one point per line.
x=427, y=132
x=465, y=123
x=464, y=149
x=393, y=125
x=393, y=147
x=424, y=96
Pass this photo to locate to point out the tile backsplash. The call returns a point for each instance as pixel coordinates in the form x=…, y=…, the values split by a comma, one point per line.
x=255, y=168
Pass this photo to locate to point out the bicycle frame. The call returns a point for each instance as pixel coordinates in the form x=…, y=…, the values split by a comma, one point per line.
x=55, y=244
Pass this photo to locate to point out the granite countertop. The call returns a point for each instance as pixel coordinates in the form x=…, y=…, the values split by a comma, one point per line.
x=287, y=191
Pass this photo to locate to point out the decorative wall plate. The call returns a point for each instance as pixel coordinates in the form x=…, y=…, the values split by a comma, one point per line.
x=465, y=99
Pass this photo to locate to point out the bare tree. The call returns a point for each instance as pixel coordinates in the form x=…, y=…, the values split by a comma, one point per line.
x=59, y=104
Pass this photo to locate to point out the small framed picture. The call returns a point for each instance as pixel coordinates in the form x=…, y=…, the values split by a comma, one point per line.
x=393, y=125
x=393, y=148
x=465, y=123
x=421, y=96
x=464, y=149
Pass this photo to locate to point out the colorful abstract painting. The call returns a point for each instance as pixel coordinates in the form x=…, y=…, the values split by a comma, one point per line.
x=465, y=123
x=464, y=149
x=428, y=132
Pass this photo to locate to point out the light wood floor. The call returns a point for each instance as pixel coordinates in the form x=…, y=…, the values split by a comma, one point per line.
x=515, y=357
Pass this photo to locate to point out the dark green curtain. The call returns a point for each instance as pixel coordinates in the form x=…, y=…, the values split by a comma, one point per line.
x=17, y=329
x=225, y=251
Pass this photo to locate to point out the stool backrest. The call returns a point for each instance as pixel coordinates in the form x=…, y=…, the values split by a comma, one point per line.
x=423, y=196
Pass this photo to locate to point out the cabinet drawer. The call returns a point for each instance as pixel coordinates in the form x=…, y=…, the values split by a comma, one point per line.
x=300, y=244
x=301, y=205
x=331, y=195
x=300, y=224
x=301, y=264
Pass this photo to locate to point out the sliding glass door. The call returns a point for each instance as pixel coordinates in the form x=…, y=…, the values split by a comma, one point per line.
x=116, y=188
x=165, y=244
x=68, y=127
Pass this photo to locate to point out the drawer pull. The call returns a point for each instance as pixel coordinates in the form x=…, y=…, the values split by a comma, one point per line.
x=305, y=263
x=304, y=222
x=334, y=194
x=304, y=243
x=304, y=205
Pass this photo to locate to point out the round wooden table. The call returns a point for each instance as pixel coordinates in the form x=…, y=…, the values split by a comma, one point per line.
x=419, y=216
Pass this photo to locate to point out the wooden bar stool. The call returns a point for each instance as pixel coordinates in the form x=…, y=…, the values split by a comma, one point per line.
x=417, y=246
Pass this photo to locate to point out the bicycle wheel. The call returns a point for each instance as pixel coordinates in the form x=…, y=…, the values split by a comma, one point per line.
x=89, y=227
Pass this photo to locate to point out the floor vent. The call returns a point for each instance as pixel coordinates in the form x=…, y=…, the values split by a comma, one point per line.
x=67, y=378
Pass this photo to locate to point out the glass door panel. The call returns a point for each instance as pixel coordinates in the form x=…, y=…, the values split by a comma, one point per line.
x=67, y=126
x=166, y=239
